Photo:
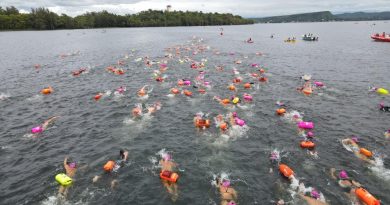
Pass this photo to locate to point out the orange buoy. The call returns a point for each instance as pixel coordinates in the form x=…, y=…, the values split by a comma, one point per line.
x=308, y=144
x=262, y=71
x=281, y=111
x=247, y=85
x=232, y=87
x=169, y=176
x=236, y=80
x=225, y=101
x=175, y=91
x=98, y=96
x=223, y=126
x=201, y=123
x=307, y=91
x=286, y=171
x=187, y=93
x=47, y=91
x=263, y=79
x=366, y=197
x=365, y=152
x=141, y=93
x=119, y=72
x=202, y=91
x=109, y=166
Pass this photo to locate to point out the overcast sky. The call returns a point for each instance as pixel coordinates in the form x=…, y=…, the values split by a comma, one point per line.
x=245, y=8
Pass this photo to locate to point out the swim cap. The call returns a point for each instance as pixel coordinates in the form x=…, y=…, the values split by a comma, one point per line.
x=38, y=129
x=315, y=194
x=355, y=139
x=234, y=114
x=343, y=174
x=236, y=100
x=231, y=203
x=226, y=183
x=72, y=165
x=167, y=157
x=310, y=134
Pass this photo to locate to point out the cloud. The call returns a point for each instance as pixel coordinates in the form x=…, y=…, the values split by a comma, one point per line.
x=246, y=8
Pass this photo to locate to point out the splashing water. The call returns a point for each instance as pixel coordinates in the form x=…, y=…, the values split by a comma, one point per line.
x=4, y=96
x=35, y=98
x=379, y=169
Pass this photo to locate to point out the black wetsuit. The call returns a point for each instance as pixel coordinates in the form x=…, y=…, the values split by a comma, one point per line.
x=385, y=108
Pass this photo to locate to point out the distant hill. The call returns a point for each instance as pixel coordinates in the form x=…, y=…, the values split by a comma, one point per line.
x=324, y=16
x=362, y=16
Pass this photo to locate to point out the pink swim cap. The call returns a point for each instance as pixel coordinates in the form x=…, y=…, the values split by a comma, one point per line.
x=38, y=129
x=231, y=203
x=72, y=165
x=167, y=157
x=310, y=134
x=355, y=139
x=234, y=114
x=226, y=183
x=315, y=194
x=343, y=174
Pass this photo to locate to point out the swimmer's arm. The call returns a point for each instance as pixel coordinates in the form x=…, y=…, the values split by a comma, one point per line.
x=332, y=173
x=126, y=154
x=66, y=162
x=235, y=195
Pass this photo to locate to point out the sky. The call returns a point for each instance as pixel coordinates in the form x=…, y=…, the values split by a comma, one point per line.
x=245, y=8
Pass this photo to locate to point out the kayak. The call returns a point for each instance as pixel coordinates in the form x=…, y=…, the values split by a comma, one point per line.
x=380, y=38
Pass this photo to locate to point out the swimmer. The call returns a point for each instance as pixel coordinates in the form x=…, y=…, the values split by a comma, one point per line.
x=113, y=167
x=387, y=134
x=314, y=198
x=70, y=167
x=168, y=165
x=220, y=122
x=44, y=125
x=227, y=193
x=153, y=108
x=137, y=110
x=347, y=183
x=142, y=92
x=121, y=89
x=235, y=120
x=200, y=121
x=79, y=71
x=384, y=108
x=351, y=145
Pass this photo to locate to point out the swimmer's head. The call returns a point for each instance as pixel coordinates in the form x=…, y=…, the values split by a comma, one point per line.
x=343, y=174
x=71, y=163
x=354, y=139
x=38, y=129
x=226, y=183
x=122, y=153
x=381, y=105
x=167, y=157
x=314, y=193
x=234, y=114
x=232, y=203
x=310, y=134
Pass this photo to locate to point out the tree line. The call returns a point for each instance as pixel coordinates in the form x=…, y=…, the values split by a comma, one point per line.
x=43, y=19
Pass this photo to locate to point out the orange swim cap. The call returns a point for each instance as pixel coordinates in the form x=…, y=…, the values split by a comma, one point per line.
x=247, y=85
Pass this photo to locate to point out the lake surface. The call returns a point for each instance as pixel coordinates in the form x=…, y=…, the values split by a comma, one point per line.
x=92, y=132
